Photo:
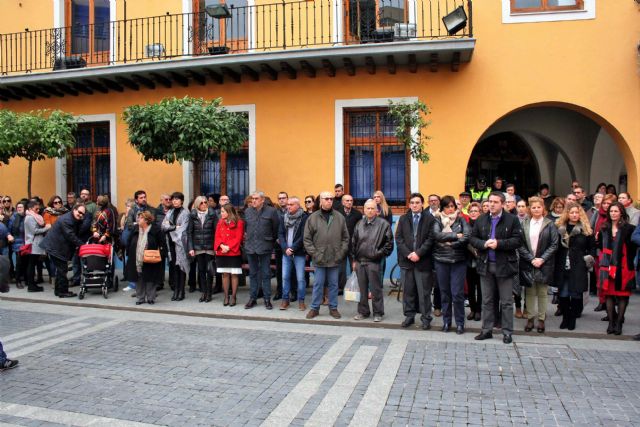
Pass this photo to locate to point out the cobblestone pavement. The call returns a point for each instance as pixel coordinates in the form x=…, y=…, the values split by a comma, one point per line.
x=90, y=366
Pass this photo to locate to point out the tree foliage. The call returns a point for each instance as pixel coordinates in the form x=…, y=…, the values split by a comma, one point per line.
x=37, y=135
x=410, y=127
x=177, y=129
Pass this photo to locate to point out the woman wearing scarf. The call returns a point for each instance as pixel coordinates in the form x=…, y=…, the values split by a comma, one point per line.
x=16, y=240
x=175, y=226
x=451, y=233
x=103, y=226
x=290, y=237
x=596, y=223
x=537, y=256
x=146, y=235
x=54, y=209
x=202, y=227
x=574, y=258
x=34, y=230
x=617, y=272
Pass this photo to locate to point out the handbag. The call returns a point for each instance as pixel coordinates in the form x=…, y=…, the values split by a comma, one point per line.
x=151, y=256
x=526, y=277
x=25, y=249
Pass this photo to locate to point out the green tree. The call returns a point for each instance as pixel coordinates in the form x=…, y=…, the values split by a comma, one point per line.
x=37, y=135
x=179, y=129
x=410, y=127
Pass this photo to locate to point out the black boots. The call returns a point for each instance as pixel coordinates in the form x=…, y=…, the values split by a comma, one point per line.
x=563, y=305
x=575, y=311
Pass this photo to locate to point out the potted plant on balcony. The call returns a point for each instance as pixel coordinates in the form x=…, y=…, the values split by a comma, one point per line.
x=410, y=127
x=184, y=129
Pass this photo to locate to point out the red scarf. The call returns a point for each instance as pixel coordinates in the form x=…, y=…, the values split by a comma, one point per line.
x=37, y=217
x=602, y=217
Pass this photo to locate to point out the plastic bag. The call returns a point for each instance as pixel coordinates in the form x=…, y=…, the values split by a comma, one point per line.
x=351, y=288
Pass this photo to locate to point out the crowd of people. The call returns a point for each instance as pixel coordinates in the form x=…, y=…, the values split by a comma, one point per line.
x=486, y=248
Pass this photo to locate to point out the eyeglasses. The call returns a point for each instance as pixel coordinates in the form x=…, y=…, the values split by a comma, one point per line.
x=308, y=201
x=7, y=200
x=327, y=198
x=203, y=203
x=81, y=213
x=57, y=202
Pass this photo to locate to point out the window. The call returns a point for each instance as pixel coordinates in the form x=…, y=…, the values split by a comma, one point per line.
x=89, y=30
x=524, y=6
x=88, y=163
x=213, y=32
x=373, y=20
x=374, y=159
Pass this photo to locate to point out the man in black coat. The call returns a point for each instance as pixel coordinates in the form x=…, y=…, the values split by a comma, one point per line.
x=414, y=240
x=61, y=243
x=351, y=216
x=497, y=236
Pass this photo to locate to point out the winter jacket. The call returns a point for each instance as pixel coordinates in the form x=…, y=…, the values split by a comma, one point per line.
x=62, y=239
x=229, y=234
x=151, y=273
x=508, y=233
x=33, y=233
x=298, y=236
x=372, y=241
x=327, y=241
x=548, y=241
x=200, y=235
x=448, y=248
x=16, y=230
x=261, y=230
x=423, y=241
x=580, y=246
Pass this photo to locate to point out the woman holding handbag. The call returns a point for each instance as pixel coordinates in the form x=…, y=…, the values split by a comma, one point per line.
x=617, y=272
x=143, y=258
x=537, y=256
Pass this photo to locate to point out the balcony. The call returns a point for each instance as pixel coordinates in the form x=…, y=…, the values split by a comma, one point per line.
x=248, y=42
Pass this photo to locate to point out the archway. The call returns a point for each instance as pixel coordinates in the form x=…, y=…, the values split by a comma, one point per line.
x=552, y=145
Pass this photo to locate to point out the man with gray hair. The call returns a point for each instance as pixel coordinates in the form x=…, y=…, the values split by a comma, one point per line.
x=372, y=242
x=262, y=224
x=326, y=240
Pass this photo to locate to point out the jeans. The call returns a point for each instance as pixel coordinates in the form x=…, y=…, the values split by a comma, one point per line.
x=330, y=275
x=260, y=273
x=3, y=355
x=295, y=263
x=451, y=282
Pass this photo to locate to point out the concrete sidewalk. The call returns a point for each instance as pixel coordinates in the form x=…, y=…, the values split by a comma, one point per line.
x=588, y=326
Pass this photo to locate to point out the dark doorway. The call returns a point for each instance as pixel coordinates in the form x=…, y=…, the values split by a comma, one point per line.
x=505, y=155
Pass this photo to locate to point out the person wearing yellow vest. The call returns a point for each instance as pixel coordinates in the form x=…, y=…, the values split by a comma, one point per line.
x=480, y=191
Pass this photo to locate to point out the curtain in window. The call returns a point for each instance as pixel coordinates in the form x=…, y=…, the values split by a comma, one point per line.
x=361, y=179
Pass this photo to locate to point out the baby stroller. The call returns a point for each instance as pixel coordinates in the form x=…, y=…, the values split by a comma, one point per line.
x=97, y=263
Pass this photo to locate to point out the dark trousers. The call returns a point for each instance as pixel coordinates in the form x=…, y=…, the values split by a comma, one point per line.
x=192, y=276
x=437, y=301
x=202, y=261
x=474, y=290
x=490, y=282
x=21, y=267
x=369, y=280
x=3, y=355
x=260, y=275
x=451, y=283
x=77, y=270
x=342, y=273
x=416, y=295
x=32, y=263
x=278, y=260
x=176, y=275
x=62, y=283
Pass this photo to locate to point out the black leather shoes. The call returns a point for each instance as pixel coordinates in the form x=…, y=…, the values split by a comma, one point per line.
x=507, y=339
x=483, y=336
x=139, y=302
x=250, y=304
x=446, y=327
x=277, y=297
x=426, y=326
x=408, y=321
x=267, y=304
x=459, y=329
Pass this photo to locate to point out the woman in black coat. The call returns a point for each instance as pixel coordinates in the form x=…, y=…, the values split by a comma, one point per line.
x=200, y=233
x=574, y=257
x=145, y=235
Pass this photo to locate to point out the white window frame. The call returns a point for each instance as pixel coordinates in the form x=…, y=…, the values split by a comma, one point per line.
x=187, y=167
x=589, y=12
x=340, y=106
x=61, y=163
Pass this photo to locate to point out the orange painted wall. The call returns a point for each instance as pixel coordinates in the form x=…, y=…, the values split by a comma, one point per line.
x=588, y=64
x=16, y=15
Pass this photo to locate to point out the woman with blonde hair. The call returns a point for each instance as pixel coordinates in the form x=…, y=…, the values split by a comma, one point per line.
x=202, y=227
x=537, y=261
x=574, y=257
x=383, y=207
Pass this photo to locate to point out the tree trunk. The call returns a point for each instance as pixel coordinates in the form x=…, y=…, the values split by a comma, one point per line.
x=29, y=179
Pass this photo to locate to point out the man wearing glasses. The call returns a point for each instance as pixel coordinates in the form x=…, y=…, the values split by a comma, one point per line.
x=581, y=198
x=326, y=240
x=61, y=243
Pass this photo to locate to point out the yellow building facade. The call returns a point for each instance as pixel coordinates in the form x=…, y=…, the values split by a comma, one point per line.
x=559, y=81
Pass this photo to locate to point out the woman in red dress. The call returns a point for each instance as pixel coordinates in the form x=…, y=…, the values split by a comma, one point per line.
x=617, y=275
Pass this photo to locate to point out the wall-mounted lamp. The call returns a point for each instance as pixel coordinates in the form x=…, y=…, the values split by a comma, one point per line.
x=455, y=21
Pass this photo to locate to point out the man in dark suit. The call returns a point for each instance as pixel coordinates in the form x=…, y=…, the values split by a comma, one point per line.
x=497, y=236
x=414, y=241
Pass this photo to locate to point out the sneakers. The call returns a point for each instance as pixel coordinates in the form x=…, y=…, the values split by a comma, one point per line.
x=8, y=364
x=377, y=318
x=128, y=288
x=333, y=312
x=359, y=317
x=312, y=314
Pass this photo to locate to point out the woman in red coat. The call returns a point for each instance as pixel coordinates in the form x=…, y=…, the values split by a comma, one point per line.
x=227, y=242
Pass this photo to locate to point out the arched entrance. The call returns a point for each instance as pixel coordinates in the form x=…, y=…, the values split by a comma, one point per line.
x=505, y=155
x=552, y=145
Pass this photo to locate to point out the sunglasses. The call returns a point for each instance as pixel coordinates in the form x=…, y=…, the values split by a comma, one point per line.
x=7, y=200
x=308, y=201
x=203, y=203
x=80, y=213
x=57, y=202
x=327, y=198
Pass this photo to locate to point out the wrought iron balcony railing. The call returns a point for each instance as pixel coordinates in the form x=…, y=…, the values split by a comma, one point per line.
x=261, y=28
